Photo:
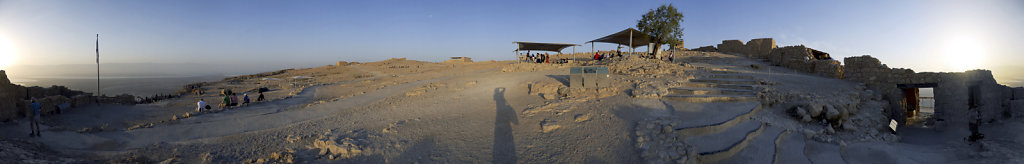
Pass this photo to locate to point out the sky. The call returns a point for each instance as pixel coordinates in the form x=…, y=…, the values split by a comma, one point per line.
x=256, y=36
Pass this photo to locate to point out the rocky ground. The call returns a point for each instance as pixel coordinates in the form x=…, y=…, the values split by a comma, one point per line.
x=703, y=108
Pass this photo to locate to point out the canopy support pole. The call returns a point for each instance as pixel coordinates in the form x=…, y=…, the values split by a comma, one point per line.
x=631, y=42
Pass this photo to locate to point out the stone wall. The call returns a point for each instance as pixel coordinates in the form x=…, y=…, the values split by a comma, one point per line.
x=732, y=46
x=951, y=91
x=14, y=99
x=10, y=96
x=755, y=48
x=760, y=48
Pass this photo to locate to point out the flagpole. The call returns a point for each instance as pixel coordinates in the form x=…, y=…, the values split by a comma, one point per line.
x=98, y=95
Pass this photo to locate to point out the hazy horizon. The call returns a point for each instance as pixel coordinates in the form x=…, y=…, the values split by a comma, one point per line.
x=230, y=37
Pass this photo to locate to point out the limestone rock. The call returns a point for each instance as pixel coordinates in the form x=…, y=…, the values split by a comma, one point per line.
x=814, y=109
x=831, y=113
x=548, y=126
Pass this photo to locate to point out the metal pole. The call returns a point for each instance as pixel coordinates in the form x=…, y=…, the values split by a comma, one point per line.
x=98, y=68
x=631, y=41
x=574, y=52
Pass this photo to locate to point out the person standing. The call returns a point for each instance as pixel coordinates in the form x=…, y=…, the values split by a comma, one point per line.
x=34, y=119
x=260, y=98
x=201, y=105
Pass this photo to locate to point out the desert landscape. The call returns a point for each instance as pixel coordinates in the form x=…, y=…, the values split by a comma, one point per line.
x=707, y=107
x=648, y=99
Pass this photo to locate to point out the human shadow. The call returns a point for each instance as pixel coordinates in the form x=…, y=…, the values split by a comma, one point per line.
x=504, y=142
x=564, y=79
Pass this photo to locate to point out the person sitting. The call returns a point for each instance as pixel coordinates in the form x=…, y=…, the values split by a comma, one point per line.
x=245, y=99
x=226, y=102
x=597, y=56
x=234, y=99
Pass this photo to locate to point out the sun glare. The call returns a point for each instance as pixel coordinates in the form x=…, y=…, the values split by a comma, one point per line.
x=7, y=56
x=964, y=53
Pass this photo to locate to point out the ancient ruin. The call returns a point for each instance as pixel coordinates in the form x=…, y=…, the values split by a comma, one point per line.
x=898, y=86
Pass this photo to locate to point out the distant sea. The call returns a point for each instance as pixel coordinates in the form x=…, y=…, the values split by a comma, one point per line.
x=138, y=86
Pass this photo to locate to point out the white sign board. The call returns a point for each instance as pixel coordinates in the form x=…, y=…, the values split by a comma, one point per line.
x=893, y=124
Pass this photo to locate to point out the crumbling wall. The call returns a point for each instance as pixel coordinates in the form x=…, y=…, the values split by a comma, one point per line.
x=10, y=94
x=760, y=48
x=732, y=46
x=828, y=68
x=780, y=56
x=951, y=91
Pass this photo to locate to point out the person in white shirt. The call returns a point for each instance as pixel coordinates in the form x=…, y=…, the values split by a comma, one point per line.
x=201, y=105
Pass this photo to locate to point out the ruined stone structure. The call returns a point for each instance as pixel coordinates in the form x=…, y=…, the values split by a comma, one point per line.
x=954, y=91
x=14, y=99
x=756, y=48
x=951, y=89
x=10, y=95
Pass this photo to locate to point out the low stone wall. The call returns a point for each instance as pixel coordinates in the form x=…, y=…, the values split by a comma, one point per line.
x=755, y=48
x=15, y=99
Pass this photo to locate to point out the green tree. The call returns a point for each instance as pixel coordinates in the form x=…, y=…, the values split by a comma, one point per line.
x=663, y=25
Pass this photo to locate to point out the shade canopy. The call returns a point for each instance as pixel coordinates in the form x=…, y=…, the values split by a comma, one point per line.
x=556, y=47
x=623, y=38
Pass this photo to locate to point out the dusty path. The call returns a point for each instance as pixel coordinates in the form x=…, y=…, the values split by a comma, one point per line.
x=238, y=120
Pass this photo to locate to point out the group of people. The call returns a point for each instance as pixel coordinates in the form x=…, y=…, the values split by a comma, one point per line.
x=601, y=56
x=155, y=98
x=539, y=58
x=230, y=100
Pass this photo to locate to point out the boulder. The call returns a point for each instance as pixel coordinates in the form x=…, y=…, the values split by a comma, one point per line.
x=831, y=113
x=814, y=109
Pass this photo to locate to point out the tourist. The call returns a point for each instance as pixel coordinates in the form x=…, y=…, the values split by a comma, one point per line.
x=260, y=98
x=234, y=99
x=226, y=102
x=245, y=99
x=34, y=119
x=597, y=56
x=547, y=58
x=201, y=105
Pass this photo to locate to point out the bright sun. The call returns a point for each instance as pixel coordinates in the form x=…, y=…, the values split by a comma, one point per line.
x=964, y=53
x=7, y=56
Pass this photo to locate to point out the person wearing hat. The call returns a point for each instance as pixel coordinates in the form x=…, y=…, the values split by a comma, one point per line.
x=245, y=99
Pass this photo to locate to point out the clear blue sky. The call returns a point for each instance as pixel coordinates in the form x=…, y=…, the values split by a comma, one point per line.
x=923, y=35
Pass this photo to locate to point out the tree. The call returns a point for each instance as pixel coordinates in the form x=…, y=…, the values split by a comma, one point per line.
x=663, y=25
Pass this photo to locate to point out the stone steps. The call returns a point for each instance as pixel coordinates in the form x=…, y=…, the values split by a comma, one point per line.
x=710, y=91
x=710, y=98
x=760, y=149
x=707, y=122
x=727, y=81
x=723, y=72
x=790, y=148
x=722, y=86
x=724, y=140
x=732, y=76
x=732, y=149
